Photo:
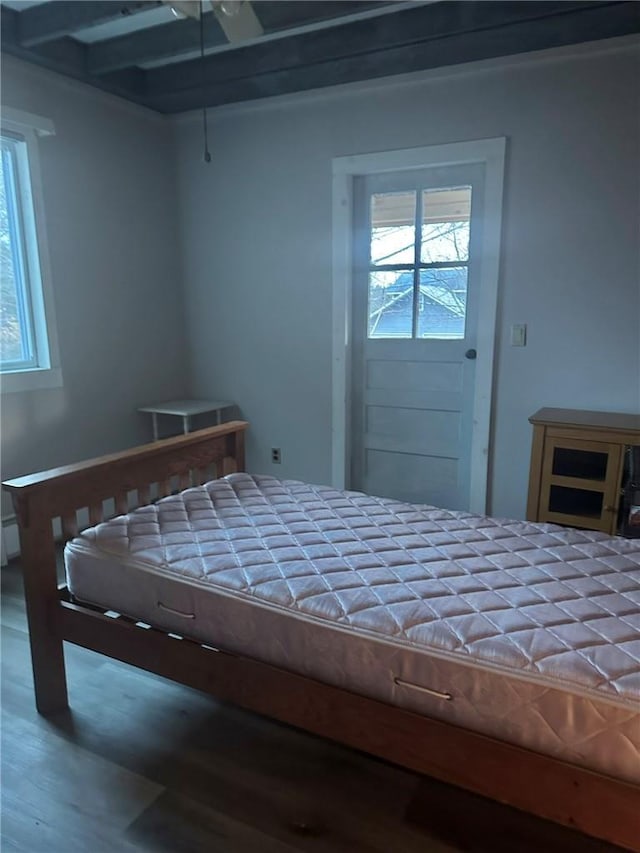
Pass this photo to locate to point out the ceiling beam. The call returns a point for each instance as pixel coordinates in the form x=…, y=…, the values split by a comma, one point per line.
x=420, y=25
x=68, y=56
x=49, y=21
x=179, y=37
x=281, y=14
x=154, y=44
x=591, y=22
x=450, y=33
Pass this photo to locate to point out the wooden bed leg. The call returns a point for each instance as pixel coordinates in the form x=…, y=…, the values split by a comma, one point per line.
x=38, y=557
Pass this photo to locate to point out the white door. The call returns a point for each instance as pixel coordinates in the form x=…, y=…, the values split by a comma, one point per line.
x=417, y=254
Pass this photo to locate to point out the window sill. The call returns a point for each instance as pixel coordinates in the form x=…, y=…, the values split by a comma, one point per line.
x=30, y=380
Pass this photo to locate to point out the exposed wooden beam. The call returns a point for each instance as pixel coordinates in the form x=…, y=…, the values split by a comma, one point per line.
x=59, y=18
x=178, y=37
x=425, y=36
x=280, y=14
x=68, y=56
x=417, y=26
x=157, y=43
x=589, y=23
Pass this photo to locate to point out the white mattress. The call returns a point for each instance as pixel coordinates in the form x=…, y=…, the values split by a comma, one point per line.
x=526, y=632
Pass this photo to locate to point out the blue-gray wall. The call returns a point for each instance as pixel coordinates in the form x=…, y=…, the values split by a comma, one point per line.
x=256, y=231
x=243, y=248
x=109, y=192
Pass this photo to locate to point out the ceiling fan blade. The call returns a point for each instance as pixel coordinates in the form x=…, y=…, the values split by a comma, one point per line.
x=238, y=20
x=186, y=8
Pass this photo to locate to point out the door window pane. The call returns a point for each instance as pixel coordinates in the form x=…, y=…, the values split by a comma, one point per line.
x=393, y=230
x=442, y=303
x=446, y=213
x=431, y=225
x=390, y=312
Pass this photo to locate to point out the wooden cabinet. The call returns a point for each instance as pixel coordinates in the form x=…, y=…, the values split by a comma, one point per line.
x=577, y=466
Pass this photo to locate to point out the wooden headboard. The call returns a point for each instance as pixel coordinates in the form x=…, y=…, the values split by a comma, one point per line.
x=91, y=491
x=127, y=479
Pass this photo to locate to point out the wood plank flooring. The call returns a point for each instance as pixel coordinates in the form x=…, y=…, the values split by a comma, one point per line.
x=143, y=764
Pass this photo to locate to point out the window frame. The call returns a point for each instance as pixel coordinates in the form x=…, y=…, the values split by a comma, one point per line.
x=23, y=131
x=14, y=180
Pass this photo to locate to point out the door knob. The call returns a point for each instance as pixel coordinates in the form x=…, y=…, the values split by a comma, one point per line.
x=471, y=354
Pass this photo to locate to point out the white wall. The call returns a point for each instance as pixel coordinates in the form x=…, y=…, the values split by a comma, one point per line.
x=256, y=229
x=109, y=192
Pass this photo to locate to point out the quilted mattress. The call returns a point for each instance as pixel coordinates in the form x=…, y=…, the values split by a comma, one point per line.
x=529, y=633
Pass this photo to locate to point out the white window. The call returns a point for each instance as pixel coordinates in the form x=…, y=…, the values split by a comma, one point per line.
x=418, y=262
x=28, y=350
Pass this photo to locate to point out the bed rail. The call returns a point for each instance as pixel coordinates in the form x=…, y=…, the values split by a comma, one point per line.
x=85, y=494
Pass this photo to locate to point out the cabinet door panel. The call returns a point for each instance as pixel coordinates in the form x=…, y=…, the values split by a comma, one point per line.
x=579, y=463
x=568, y=500
x=580, y=483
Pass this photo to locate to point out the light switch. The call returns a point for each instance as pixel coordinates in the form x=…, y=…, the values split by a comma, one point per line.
x=519, y=335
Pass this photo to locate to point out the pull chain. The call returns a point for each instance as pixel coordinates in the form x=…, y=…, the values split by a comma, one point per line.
x=207, y=154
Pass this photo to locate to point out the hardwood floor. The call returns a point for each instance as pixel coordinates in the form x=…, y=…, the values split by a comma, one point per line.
x=143, y=764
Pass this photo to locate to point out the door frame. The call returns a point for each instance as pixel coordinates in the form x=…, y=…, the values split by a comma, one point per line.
x=489, y=152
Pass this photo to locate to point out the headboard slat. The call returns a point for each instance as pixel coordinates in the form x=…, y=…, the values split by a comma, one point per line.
x=96, y=513
x=61, y=491
x=121, y=502
x=69, y=525
x=144, y=494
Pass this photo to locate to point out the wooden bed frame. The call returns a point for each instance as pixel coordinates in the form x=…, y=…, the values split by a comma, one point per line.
x=600, y=806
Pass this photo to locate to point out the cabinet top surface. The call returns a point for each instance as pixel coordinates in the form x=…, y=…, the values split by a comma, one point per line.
x=579, y=418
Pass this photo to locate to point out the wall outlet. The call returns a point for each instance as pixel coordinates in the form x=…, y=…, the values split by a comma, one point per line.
x=276, y=456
